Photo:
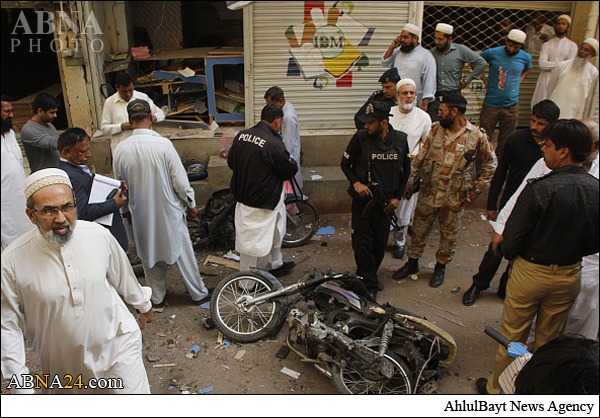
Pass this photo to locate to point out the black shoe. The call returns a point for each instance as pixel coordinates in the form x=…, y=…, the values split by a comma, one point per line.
x=399, y=251
x=438, y=275
x=284, y=269
x=471, y=295
x=203, y=300
x=481, y=386
x=379, y=286
x=159, y=307
x=501, y=293
x=411, y=267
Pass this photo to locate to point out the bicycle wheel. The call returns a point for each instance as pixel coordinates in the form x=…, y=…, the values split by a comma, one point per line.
x=302, y=221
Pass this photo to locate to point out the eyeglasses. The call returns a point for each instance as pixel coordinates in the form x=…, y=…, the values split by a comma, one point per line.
x=51, y=212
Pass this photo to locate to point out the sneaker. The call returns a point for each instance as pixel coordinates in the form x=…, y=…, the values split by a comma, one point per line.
x=284, y=269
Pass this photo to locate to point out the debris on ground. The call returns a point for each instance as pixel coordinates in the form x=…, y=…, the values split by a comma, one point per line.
x=238, y=356
x=222, y=261
x=193, y=353
x=152, y=358
x=289, y=372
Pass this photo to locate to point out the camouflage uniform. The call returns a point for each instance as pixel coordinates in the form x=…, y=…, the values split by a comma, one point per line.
x=446, y=178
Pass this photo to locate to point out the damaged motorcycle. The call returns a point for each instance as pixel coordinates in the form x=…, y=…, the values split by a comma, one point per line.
x=363, y=347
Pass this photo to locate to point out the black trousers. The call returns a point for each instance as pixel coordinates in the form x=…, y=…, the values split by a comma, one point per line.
x=488, y=268
x=370, y=233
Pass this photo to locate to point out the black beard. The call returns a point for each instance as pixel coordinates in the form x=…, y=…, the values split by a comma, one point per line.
x=559, y=33
x=446, y=123
x=6, y=125
x=407, y=48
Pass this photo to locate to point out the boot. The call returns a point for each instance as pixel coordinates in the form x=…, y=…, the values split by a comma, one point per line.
x=438, y=275
x=411, y=267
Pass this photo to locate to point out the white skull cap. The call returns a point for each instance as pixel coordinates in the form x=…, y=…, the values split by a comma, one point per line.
x=444, y=28
x=43, y=178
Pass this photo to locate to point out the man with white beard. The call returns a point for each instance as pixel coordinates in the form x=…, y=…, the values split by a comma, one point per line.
x=558, y=49
x=416, y=124
x=572, y=83
x=60, y=287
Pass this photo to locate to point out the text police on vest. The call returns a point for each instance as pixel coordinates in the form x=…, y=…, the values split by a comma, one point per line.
x=253, y=139
x=384, y=157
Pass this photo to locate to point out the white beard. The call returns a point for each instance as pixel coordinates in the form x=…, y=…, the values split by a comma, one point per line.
x=407, y=106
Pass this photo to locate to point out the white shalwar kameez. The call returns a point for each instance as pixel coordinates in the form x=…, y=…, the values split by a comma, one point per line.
x=554, y=51
x=14, y=220
x=159, y=195
x=65, y=301
x=416, y=125
x=259, y=234
x=290, y=133
x=572, y=85
x=585, y=313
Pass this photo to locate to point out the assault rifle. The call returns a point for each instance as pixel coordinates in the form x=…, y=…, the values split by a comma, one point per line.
x=380, y=200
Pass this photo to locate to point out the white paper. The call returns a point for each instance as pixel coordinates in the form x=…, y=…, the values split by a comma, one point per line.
x=101, y=187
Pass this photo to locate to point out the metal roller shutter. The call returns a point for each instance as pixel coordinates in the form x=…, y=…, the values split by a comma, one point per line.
x=328, y=101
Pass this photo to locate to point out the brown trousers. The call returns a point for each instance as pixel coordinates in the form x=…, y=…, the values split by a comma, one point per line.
x=549, y=292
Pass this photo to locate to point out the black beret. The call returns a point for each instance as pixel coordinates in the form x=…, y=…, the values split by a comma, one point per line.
x=452, y=99
x=375, y=111
x=390, y=75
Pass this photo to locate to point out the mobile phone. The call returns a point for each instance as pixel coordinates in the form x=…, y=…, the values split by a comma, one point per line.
x=112, y=194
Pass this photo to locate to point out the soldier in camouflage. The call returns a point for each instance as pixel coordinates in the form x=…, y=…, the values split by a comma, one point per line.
x=446, y=169
x=387, y=94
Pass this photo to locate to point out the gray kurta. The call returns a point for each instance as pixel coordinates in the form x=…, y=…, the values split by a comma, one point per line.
x=159, y=194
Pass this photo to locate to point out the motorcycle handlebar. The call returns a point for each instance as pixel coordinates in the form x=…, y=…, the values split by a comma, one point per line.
x=497, y=336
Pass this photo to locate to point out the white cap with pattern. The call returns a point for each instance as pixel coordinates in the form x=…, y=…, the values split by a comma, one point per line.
x=517, y=36
x=412, y=28
x=444, y=28
x=43, y=178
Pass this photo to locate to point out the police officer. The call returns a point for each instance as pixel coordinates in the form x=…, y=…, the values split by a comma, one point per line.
x=446, y=165
x=387, y=95
x=377, y=154
x=260, y=164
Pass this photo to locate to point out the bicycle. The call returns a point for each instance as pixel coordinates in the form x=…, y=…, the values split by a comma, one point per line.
x=216, y=226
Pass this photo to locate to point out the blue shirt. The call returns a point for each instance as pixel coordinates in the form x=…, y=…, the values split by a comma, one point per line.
x=504, y=78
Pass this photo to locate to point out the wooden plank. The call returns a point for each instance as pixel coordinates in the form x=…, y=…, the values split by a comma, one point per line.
x=223, y=261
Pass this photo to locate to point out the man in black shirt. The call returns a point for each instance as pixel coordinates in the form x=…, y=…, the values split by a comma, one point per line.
x=521, y=151
x=387, y=94
x=377, y=154
x=260, y=164
x=554, y=224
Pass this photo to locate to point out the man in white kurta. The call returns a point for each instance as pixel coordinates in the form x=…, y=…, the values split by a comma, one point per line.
x=558, y=49
x=115, y=121
x=414, y=62
x=290, y=128
x=415, y=123
x=584, y=316
x=14, y=221
x=572, y=83
x=62, y=294
x=159, y=196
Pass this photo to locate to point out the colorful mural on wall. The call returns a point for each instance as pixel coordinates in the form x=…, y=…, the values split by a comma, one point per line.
x=327, y=44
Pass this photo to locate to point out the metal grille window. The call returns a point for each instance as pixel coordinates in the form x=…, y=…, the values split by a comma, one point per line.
x=485, y=25
x=481, y=28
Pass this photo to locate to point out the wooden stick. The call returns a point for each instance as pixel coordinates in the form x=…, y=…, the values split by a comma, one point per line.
x=451, y=320
x=433, y=306
x=165, y=365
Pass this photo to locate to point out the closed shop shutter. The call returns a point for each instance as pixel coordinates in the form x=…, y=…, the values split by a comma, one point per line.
x=327, y=84
x=479, y=25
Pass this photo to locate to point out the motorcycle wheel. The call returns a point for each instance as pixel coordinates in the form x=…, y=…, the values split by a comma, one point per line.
x=348, y=381
x=302, y=220
x=240, y=322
